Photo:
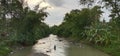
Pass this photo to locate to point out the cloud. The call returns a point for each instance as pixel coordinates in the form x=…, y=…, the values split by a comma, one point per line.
x=57, y=14
x=60, y=8
x=55, y=2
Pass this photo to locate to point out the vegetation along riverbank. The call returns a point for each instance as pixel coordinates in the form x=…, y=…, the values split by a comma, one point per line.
x=85, y=25
x=21, y=25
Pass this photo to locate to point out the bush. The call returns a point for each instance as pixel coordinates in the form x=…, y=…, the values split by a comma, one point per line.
x=4, y=49
x=99, y=34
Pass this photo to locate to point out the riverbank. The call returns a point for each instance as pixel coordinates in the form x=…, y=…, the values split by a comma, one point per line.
x=4, y=50
x=113, y=49
x=84, y=48
x=4, y=47
x=57, y=46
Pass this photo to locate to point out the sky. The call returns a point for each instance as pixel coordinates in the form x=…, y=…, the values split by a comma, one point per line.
x=58, y=8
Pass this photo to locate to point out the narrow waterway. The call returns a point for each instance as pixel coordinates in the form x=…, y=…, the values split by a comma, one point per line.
x=54, y=46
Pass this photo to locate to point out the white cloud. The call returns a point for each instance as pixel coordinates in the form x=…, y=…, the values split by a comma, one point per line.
x=57, y=14
x=56, y=2
x=58, y=9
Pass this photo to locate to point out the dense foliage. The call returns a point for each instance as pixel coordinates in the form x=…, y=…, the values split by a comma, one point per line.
x=29, y=28
x=99, y=33
x=85, y=25
x=20, y=25
x=114, y=7
x=76, y=22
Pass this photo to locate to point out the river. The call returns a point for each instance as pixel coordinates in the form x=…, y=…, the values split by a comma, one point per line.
x=54, y=46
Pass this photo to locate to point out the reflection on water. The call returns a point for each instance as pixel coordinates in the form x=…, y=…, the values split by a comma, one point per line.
x=84, y=50
x=52, y=46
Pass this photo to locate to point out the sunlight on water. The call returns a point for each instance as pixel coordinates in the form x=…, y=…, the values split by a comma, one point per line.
x=51, y=46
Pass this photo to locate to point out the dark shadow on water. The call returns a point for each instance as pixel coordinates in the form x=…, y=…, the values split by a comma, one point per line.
x=23, y=52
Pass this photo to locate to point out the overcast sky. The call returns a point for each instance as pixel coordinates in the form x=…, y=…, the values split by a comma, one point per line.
x=58, y=8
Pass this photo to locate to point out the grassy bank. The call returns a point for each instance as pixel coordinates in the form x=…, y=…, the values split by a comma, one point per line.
x=4, y=48
x=113, y=49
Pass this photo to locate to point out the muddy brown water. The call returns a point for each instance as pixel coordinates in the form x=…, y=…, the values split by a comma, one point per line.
x=23, y=52
x=84, y=50
x=73, y=50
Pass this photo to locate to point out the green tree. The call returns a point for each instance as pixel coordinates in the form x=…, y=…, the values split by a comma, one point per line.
x=113, y=5
x=23, y=25
x=99, y=33
x=76, y=21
